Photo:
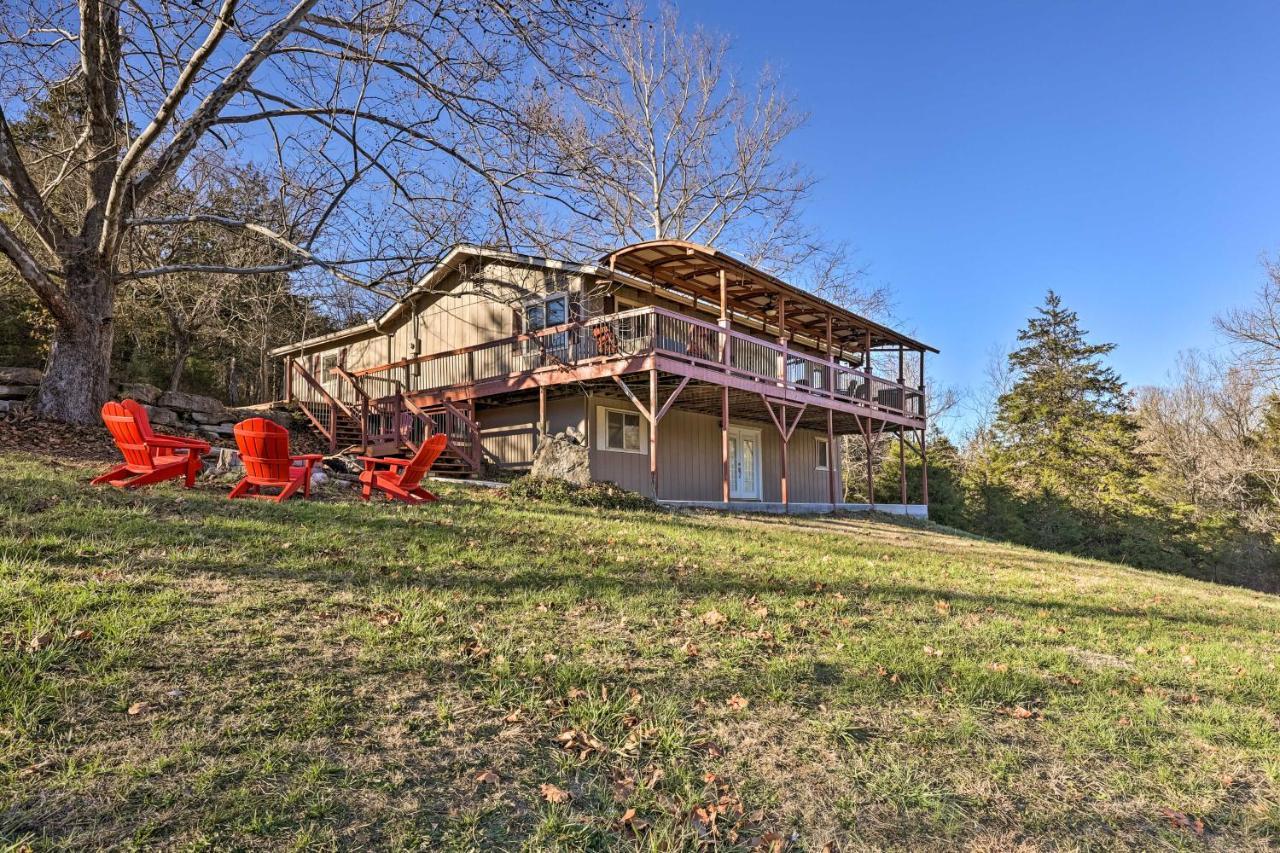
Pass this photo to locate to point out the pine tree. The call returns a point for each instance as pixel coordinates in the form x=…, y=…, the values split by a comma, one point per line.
x=1064, y=428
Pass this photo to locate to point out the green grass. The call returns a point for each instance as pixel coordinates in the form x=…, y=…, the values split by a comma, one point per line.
x=335, y=675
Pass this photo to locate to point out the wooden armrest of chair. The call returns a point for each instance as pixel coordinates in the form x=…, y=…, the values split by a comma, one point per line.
x=374, y=461
x=173, y=441
x=310, y=458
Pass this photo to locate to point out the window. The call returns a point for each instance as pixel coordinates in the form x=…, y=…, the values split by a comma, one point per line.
x=543, y=313
x=327, y=366
x=622, y=430
x=824, y=454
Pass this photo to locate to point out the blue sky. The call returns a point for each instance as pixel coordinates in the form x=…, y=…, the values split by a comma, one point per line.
x=1125, y=154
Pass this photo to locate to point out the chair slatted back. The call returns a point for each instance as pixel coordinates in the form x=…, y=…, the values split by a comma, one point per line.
x=128, y=435
x=411, y=475
x=264, y=450
x=140, y=415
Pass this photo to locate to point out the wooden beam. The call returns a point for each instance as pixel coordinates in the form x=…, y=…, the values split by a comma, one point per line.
x=671, y=399
x=542, y=415
x=724, y=297
x=653, y=431
x=635, y=401
x=724, y=440
x=831, y=458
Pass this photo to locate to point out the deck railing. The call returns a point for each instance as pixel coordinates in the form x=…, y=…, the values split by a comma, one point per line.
x=652, y=330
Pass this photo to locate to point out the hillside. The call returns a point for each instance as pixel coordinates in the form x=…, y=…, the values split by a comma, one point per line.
x=489, y=674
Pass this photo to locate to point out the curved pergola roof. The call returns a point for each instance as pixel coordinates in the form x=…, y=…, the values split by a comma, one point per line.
x=696, y=271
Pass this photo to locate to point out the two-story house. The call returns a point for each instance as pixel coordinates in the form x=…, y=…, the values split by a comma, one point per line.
x=690, y=376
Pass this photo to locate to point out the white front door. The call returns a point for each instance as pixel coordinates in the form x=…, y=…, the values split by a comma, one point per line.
x=744, y=464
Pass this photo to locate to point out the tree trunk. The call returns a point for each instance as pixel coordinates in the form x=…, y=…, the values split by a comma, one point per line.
x=77, y=376
x=179, y=364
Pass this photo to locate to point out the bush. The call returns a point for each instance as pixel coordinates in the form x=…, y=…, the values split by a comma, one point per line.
x=597, y=495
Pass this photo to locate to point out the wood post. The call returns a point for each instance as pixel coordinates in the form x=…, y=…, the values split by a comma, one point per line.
x=871, y=478
x=333, y=427
x=288, y=379
x=724, y=440
x=786, y=444
x=724, y=299
x=831, y=458
x=653, y=431
x=924, y=457
x=542, y=416
x=902, y=467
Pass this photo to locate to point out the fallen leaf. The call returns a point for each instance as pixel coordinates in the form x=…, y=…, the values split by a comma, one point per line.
x=1021, y=713
x=82, y=635
x=39, y=641
x=712, y=617
x=139, y=708
x=998, y=667
x=553, y=794
x=1180, y=820
x=738, y=703
x=930, y=651
x=488, y=777
x=943, y=607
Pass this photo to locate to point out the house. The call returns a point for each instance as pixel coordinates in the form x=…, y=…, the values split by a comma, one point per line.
x=688, y=375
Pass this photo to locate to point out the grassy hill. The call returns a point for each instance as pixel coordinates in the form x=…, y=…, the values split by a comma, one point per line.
x=180, y=671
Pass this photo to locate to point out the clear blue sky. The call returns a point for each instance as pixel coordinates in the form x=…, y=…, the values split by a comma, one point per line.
x=1125, y=154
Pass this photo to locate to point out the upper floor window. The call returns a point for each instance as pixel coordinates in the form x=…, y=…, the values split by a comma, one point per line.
x=545, y=312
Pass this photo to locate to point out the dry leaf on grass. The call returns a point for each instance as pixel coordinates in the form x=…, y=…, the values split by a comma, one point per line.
x=712, y=617
x=737, y=702
x=488, y=777
x=1180, y=820
x=139, y=708
x=554, y=794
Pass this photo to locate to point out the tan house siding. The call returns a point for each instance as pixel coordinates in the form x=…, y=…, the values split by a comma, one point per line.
x=689, y=462
x=508, y=432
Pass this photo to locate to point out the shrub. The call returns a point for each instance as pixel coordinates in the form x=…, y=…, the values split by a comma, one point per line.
x=598, y=495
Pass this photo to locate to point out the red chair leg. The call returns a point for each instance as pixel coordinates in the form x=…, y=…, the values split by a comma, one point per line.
x=120, y=472
x=240, y=489
x=288, y=490
x=193, y=468
x=424, y=495
x=159, y=475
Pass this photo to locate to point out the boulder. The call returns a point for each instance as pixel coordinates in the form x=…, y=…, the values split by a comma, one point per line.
x=189, y=402
x=20, y=376
x=278, y=415
x=212, y=417
x=160, y=417
x=146, y=394
x=217, y=430
x=560, y=457
x=16, y=392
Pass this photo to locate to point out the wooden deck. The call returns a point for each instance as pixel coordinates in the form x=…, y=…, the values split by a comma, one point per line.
x=641, y=340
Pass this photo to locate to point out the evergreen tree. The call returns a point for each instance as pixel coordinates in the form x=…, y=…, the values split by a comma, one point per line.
x=1064, y=429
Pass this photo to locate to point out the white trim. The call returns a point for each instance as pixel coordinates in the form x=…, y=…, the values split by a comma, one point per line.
x=602, y=430
x=821, y=440
x=754, y=432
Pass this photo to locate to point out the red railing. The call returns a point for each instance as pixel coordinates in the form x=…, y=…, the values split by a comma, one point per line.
x=652, y=330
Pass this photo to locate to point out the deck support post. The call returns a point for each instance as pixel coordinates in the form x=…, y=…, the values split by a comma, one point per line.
x=831, y=458
x=653, y=431
x=542, y=417
x=785, y=431
x=924, y=472
x=288, y=379
x=724, y=441
x=902, y=450
x=871, y=477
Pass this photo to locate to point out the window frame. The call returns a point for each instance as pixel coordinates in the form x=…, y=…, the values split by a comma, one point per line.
x=821, y=442
x=602, y=430
x=542, y=300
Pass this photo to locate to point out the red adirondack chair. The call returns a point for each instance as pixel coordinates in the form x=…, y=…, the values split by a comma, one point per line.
x=148, y=458
x=264, y=450
x=401, y=478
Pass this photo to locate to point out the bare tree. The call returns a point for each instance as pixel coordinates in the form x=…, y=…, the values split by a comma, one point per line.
x=399, y=123
x=1256, y=329
x=669, y=144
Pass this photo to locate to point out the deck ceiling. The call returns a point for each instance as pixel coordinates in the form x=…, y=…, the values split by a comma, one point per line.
x=704, y=398
x=695, y=271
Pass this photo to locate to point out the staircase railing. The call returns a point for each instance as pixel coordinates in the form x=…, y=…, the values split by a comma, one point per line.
x=320, y=407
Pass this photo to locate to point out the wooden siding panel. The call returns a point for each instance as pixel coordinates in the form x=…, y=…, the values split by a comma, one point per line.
x=689, y=466
x=508, y=431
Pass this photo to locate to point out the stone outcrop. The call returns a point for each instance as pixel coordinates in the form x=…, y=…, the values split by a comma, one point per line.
x=18, y=386
x=165, y=409
x=561, y=457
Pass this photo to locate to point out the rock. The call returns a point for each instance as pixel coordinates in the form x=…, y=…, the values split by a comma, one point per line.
x=278, y=415
x=160, y=417
x=20, y=376
x=16, y=392
x=13, y=407
x=222, y=460
x=213, y=417
x=189, y=402
x=217, y=430
x=561, y=458
x=142, y=392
